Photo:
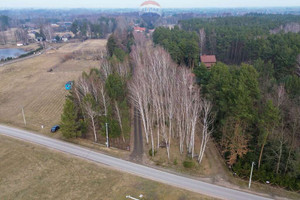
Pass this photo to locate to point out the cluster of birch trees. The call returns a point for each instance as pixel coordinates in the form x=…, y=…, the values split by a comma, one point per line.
x=99, y=98
x=169, y=101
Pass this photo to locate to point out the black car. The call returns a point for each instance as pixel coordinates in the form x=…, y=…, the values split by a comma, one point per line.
x=55, y=128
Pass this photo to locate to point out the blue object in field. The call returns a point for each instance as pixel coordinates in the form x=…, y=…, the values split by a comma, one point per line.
x=55, y=128
x=68, y=85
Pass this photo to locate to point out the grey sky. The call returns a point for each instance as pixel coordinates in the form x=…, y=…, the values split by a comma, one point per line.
x=136, y=3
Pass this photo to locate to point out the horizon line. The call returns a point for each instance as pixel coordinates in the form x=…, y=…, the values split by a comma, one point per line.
x=64, y=8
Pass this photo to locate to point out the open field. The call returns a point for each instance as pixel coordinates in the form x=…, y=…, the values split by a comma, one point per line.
x=30, y=47
x=42, y=94
x=32, y=172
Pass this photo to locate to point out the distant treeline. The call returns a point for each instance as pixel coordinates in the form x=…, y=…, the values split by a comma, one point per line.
x=99, y=29
x=4, y=22
x=182, y=45
x=234, y=39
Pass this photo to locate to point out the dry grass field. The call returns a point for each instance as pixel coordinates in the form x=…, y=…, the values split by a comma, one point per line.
x=32, y=172
x=42, y=94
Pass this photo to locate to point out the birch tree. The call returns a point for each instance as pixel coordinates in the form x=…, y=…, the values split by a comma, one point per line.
x=165, y=93
x=207, y=120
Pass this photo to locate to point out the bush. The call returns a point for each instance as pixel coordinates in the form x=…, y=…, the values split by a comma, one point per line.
x=150, y=152
x=188, y=164
x=175, y=161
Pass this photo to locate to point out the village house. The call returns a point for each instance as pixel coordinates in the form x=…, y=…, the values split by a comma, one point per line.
x=139, y=29
x=208, y=60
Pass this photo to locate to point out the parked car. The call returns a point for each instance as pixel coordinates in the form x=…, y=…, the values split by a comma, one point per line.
x=55, y=128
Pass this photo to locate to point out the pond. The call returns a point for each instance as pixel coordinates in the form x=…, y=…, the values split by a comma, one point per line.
x=5, y=53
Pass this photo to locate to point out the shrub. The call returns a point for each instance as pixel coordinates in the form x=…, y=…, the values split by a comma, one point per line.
x=175, y=161
x=150, y=152
x=188, y=164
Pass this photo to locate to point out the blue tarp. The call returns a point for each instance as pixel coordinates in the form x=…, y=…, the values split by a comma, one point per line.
x=68, y=85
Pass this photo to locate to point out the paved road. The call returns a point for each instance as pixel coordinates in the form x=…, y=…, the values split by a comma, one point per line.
x=129, y=167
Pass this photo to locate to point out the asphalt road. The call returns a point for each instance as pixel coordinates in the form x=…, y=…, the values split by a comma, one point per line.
x=129, y=167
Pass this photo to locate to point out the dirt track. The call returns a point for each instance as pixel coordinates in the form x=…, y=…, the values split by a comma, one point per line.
x=138, y=151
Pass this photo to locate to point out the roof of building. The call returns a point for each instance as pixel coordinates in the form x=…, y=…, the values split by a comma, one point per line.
x=150, y=3
x=208, y=58
x=141, y=29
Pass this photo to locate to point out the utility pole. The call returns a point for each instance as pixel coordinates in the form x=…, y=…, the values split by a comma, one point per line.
x=106, y=126
x=23, y=116
x=251, y=174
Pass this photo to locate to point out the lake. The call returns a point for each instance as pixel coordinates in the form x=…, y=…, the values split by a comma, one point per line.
x=5, y=53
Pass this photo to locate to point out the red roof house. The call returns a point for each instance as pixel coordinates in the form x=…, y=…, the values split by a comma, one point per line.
x=139, y=29
x=208, y=60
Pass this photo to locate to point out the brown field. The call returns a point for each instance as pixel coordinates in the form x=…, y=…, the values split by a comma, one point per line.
x=42, y=94
x=32, y=172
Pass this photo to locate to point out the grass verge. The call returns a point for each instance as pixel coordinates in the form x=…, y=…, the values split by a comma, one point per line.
x=33, y=172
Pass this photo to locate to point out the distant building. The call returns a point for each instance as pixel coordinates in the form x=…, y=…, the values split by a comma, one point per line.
x=64, y=39
x=54, y=25
x=39, y=39
x=208, y=60
x=139, y=29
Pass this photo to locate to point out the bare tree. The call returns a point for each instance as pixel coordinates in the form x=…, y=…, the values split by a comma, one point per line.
x=207, y=119
x=3, y=37
x=21, y=35
x=92, y=112
x=165, y=93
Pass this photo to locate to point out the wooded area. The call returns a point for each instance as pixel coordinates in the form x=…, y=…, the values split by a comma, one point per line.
x=89, y=29
x=99, y=98
x=251, y=108
x=257, y=104
x=169, y=101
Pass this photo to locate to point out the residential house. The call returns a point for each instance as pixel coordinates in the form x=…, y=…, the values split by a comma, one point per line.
x=208, y=60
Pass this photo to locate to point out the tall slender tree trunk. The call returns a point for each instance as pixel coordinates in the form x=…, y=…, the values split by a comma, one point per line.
x=94, y=129
x=289, y=155
x=279, y=158
x=280, y=151
x=120, y=120
x=260, y=155
x=287, y=161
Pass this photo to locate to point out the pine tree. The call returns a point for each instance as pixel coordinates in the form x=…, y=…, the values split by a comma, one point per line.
x=69, y=125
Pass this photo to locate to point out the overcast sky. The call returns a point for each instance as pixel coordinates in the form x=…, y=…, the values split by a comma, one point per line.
x=136, y=3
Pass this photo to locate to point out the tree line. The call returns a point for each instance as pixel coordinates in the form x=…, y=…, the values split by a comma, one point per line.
x=98, y=29
x=257, y=120
x=231, y=38
x=182, y=45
